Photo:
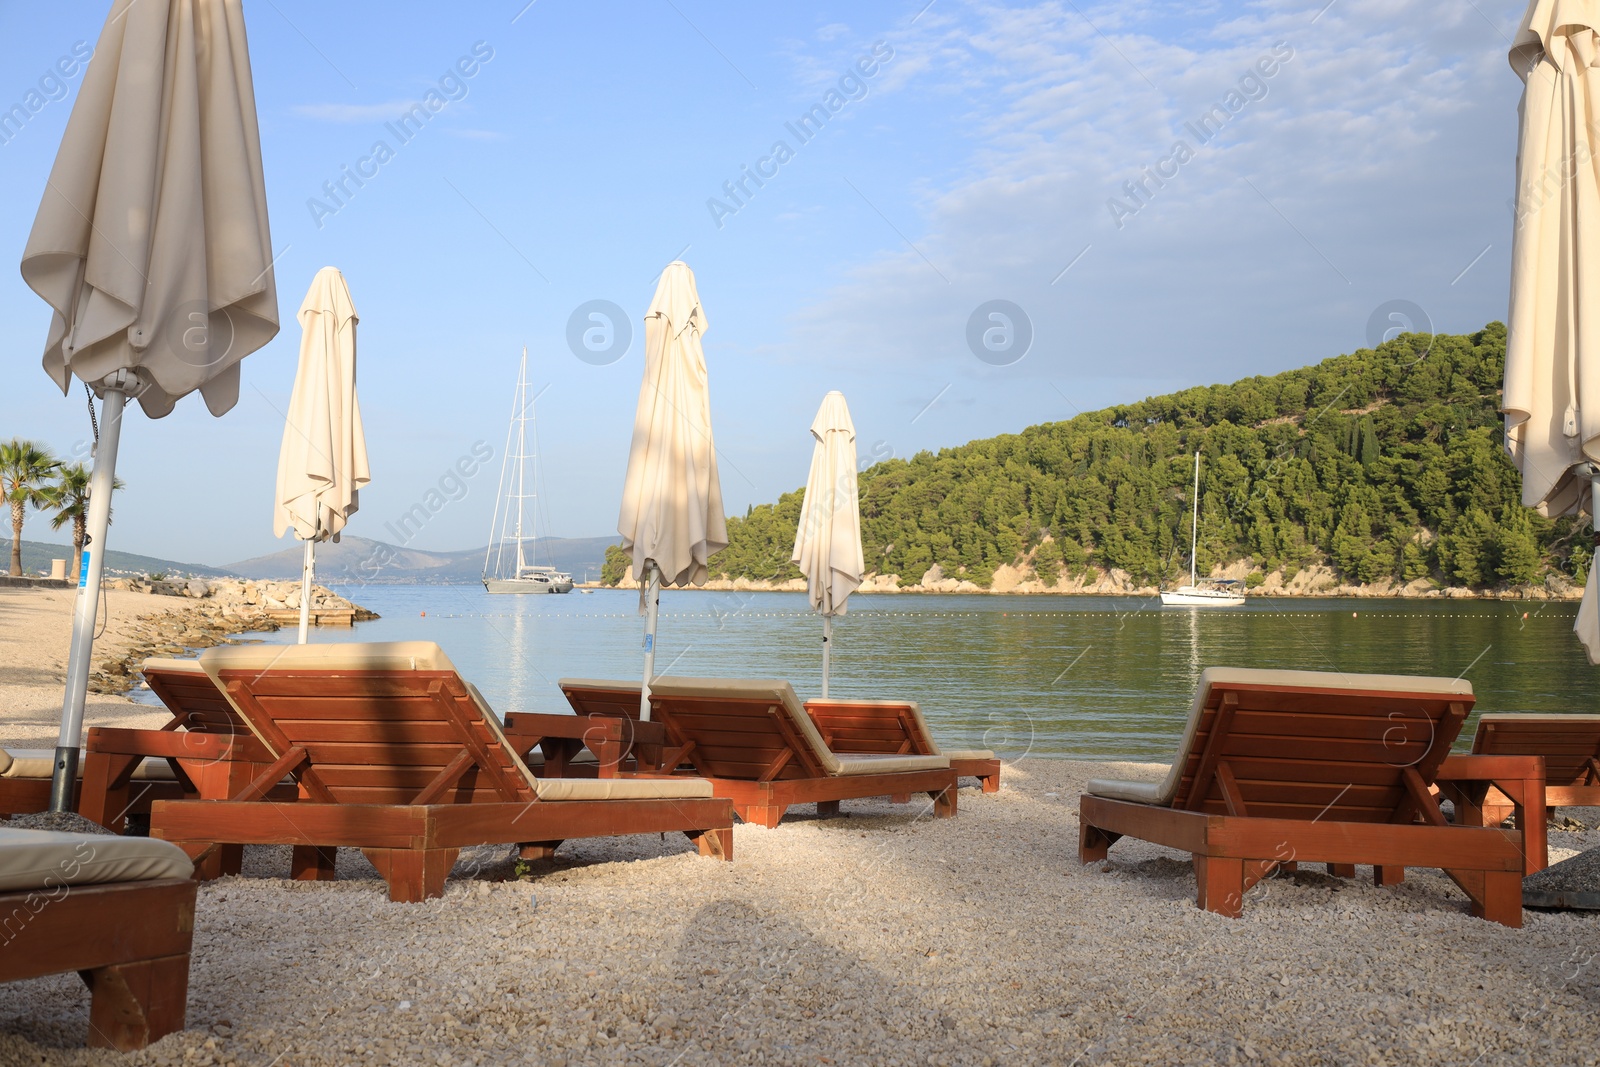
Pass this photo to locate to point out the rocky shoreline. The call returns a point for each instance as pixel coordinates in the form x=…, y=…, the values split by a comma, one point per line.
x=1314, y=582
x=222, y=608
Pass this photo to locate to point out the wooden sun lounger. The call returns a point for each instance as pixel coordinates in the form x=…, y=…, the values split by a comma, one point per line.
x=896, y=727
x=1283, y=767
x=25, y=782
x=1570, y=745
x=397, y=755
x=757, y=746
x=210, y=751
x=848, y=727
x=119, y=911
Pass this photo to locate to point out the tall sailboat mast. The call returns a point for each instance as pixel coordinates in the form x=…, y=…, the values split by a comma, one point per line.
x=522, y=453
x=1194, y=520
x=518, y=486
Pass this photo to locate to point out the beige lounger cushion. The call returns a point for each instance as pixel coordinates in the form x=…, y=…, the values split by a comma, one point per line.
x=1162, y=794
x=41, y=763
x=622, y=788
x=888, y=763
x=966, y=753
x=779, y=693
x=427, y=656
x=45, y=860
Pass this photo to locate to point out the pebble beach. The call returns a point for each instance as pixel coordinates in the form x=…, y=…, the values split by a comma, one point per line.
x=882, y=936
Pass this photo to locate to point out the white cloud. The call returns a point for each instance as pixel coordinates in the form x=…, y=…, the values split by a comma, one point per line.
x=355, y=112
x=1380, y=158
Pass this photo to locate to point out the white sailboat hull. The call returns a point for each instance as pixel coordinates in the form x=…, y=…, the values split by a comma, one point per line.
x=1187, y=596
x=528, y=585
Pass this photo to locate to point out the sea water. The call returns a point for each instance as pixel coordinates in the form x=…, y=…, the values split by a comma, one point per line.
x=1105, y=678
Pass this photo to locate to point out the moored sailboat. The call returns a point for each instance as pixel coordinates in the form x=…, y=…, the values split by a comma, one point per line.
x=1215, y=593
x=508, y=566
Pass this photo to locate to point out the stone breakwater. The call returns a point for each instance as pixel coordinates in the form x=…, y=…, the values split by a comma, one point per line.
x=205, y=612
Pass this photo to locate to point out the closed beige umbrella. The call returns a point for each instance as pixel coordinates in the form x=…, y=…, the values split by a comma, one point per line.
x=827, y=545
x=671, y=520
x=152, y=249
x=1552, y=382
x=322, y=463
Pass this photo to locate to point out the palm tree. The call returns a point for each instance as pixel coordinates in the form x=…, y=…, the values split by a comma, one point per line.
x=24, y=465
x=68, y=497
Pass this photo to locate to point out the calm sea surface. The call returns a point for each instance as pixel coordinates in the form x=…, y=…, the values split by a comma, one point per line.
x=1081, y=677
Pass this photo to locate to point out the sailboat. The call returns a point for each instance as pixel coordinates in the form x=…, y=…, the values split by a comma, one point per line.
x=1216, y=593
x=508, y=566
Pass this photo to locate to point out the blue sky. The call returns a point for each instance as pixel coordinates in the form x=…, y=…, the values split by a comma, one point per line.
x=983, y=158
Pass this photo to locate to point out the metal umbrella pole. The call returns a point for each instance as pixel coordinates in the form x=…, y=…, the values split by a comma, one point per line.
x=308, y=567
x=114, y=392
x=827, y=646
x=652, y=606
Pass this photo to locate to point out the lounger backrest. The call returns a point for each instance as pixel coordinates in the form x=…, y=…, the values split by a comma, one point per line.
x=751, y=729
x=1568, y=743
x=1314, y=745
x=380, y=722
x=193, y=698
x=891, y=726
x=592, y=696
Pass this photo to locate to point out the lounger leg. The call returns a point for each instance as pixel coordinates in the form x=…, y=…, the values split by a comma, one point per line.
x=944, y=802
x=311, y=863
x=1093, y=842
x=537, y=850
x=991, y=782
x=206, y=857
x=1388, y=875
x=413, y=874
x=828, y=809
x=230, y=859
x=104, y=795
x=1533, y=819
x=1219, y=885
x=1502, y=899
x=768, y=815
x=900, y=798
x=714, y=844
x=1342, y=870
x=133, y=1004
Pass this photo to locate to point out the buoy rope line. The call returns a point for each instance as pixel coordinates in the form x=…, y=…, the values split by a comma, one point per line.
x=1331, y=613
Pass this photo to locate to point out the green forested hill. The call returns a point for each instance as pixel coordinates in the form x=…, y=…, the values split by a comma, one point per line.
x=1383, y=463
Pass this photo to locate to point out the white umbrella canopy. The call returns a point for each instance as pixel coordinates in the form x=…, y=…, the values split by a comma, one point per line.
x=152, y=248
x=151, y=244
x=827, y=545
x=322, y=463
x=671, y=518
x=1552, y=377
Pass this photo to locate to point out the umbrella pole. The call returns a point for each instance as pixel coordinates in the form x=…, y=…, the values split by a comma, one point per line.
x=652, y=605
x=827, y=645
x=87, y=607
x=307, y=568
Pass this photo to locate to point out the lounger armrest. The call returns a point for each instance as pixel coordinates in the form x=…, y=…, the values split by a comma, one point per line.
x=181, y=744
x=1490, y=768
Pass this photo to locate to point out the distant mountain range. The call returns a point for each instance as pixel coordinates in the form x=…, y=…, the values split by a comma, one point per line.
x=360, y=559
x=353, y=559
x=36, y=557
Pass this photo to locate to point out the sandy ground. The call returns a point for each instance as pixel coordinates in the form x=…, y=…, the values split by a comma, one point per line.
x=882, y=936
x=35, y=636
